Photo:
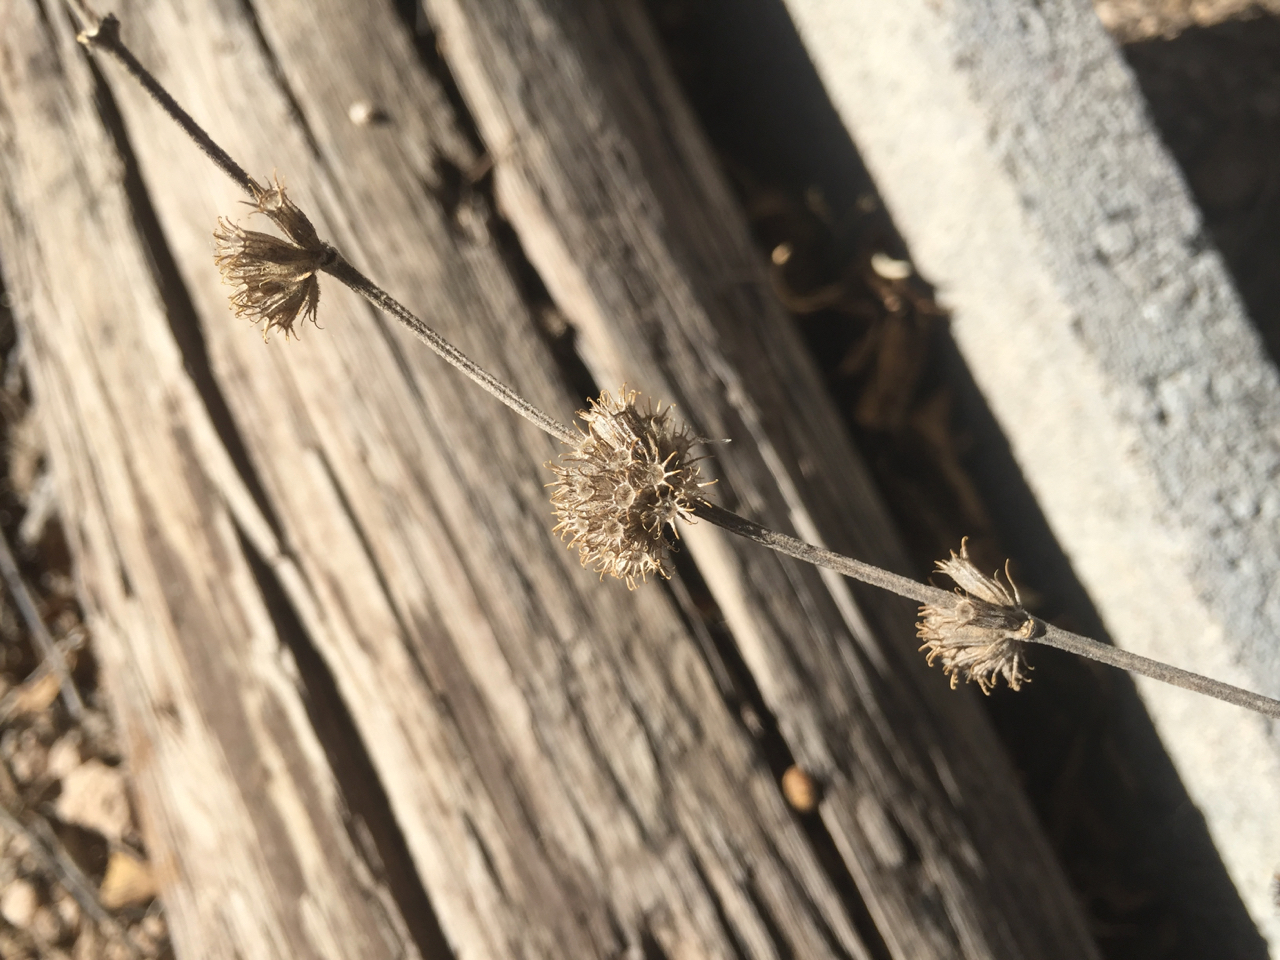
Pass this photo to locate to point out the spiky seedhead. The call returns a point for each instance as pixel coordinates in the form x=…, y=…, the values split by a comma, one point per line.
x=273, y=280
x=628, y=478
x=981, y=636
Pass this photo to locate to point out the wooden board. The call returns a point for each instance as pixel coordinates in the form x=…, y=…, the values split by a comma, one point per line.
x=308, y=556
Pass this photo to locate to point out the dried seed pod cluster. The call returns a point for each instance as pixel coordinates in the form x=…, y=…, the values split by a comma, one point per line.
x=274, y=280
x=981, y=636
x=628, y=477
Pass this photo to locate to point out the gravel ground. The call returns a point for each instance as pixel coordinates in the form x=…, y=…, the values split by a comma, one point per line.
x=75, y=883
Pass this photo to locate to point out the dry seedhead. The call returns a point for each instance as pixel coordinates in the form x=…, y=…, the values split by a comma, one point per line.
x=628, y=477
x=981, y=636
x=274, y=280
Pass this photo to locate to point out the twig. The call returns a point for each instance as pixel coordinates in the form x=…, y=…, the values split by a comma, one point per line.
x=819, y=556
x=342, y=270
x=1156, y=670
x=104, y=34
x=1045, y=633
x=39, y=632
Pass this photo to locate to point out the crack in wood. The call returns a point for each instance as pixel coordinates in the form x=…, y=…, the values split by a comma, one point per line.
x=369, y=813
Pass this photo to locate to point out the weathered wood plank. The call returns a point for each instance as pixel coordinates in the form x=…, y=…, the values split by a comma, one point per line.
x=243, y=819
x=567, y=778
x=622, y=209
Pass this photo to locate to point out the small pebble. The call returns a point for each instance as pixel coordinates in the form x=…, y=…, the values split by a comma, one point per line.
x=18, y=904
x=14, y=946
x=145, y=945
x=94, y=795
x=781, y=254
x=800, y=789
x=64, y=755
x=47, y=926
x=68, y=911
x=751, y=720
x=99, y=736
x=364, y=113
x=19, y=846
x=88, y=945
x=26, y=753
x=153, y=925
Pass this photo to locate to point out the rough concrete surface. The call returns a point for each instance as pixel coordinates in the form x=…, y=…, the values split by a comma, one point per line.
x=1013, y=149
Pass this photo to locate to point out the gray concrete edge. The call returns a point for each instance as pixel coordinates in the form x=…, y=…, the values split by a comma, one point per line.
x=1013, y=150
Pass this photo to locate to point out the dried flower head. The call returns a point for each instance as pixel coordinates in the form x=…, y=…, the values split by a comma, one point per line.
x=274, y=280
x=274, y=202
x=628, y=477
x=980, y=636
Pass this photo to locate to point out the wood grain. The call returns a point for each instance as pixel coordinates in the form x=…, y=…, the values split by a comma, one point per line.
x=257, y=525
x=624, y=212
x=242, y=816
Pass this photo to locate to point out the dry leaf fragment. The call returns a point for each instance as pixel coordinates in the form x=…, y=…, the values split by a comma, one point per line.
x=34, y=695
x=129, y=881
x=18, y=903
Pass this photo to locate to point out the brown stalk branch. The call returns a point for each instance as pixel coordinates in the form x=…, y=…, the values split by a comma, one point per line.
x=342, y=270
x=1046, y=634
x=104, y=34
x=820, y=556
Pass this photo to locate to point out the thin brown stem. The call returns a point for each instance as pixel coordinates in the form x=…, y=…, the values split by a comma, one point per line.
x=1049, y=635
x=1156, y=670
x=104, y=34
x=342, y=270
x=820, y=556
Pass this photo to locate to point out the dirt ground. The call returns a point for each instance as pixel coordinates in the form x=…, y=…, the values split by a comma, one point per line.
x=74, y=878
